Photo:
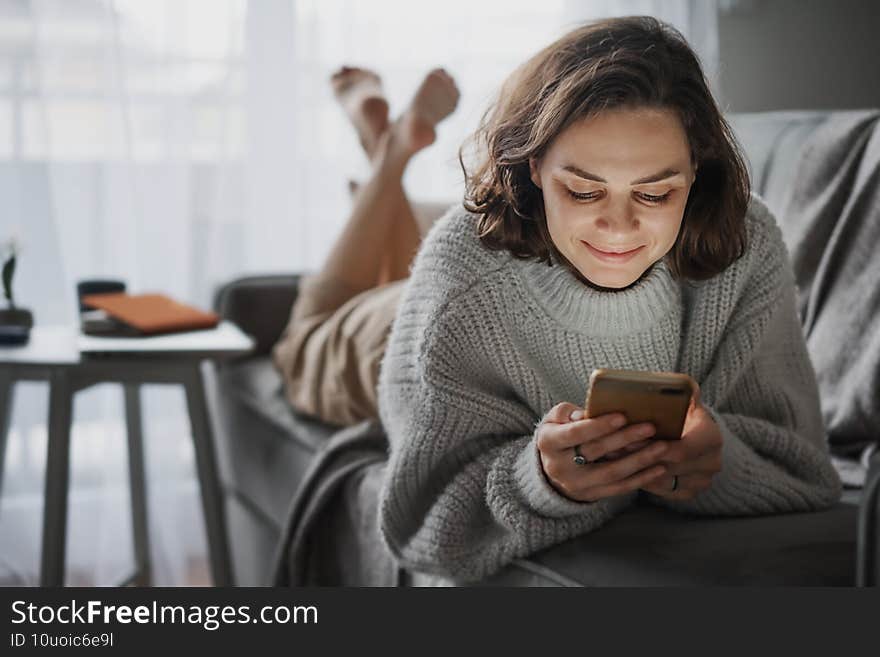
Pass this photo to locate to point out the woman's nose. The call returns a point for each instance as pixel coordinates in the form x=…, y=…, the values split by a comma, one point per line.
x=620, y=219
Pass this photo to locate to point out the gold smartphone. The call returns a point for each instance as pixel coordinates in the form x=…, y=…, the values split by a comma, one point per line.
x=661, y=398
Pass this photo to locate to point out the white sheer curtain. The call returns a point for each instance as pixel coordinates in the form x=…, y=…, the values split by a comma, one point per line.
x=176, y=144
x=479, y=43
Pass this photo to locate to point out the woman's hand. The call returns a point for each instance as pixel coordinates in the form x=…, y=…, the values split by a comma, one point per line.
x=564, y=428
x=694, y=459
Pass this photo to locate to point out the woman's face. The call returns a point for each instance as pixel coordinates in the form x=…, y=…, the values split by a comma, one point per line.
x=615, y=188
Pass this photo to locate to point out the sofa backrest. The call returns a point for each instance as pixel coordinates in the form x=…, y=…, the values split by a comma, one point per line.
x=773, y=143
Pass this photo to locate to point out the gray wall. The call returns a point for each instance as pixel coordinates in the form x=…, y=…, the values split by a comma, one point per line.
x=799, y=54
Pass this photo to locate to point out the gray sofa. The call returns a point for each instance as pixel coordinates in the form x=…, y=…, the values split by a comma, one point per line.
x=265, y=449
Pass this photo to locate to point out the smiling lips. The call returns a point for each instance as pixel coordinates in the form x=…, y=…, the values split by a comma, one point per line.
x=616, y=256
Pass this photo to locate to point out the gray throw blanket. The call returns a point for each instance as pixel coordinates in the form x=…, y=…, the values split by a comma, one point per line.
x=831, y=223
x=332, y=533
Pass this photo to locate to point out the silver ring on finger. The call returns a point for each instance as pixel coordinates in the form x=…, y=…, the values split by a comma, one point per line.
x=578, y=458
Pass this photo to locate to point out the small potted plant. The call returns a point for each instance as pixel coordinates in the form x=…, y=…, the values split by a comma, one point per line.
x=15, y=323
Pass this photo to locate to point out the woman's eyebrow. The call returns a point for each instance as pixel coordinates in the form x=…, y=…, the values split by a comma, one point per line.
x=654, y=177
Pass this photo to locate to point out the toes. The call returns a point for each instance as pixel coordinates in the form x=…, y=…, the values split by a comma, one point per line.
x=440, y=75
x=355, y=72
x=349, y=77
x=345, y=75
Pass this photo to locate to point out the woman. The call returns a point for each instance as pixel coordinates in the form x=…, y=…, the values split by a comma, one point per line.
x=608, y=223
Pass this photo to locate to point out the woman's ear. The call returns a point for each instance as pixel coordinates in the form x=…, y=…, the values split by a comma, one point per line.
x=533, y=172
x=693, y=173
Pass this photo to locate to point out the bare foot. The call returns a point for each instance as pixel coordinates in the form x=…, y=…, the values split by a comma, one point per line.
x=434, y=100
x=359, y=91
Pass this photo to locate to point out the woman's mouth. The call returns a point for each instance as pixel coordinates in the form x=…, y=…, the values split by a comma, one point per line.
x=615, y=255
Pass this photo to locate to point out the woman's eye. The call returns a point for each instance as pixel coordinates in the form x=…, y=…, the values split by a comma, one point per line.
x=583, y=196
x=648, y=198
x=652, y=198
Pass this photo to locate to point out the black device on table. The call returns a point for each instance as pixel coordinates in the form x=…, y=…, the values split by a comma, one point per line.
x=98, y=322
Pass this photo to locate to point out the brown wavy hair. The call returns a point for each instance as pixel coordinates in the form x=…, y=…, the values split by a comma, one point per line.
x=629, y=62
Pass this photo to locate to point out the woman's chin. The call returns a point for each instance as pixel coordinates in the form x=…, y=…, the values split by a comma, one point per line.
x=609, y=281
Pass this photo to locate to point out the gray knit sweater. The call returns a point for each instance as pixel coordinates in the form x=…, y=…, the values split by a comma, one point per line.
x=484, y=344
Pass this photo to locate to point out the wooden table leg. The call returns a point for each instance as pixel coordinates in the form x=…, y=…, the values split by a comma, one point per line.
x=209, y=481
x=137, y=478
x=57, y=479
x=7, y=397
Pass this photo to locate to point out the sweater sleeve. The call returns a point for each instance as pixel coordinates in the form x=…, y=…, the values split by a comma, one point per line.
x=464, y=492
x=762, y=392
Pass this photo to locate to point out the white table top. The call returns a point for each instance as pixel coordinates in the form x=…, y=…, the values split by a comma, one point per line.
x=47, y=345
x=65, y=345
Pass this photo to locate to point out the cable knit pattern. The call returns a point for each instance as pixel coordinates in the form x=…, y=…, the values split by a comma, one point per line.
x=484, y=344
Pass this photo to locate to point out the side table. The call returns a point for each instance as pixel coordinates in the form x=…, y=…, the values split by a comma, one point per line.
x=71, y=362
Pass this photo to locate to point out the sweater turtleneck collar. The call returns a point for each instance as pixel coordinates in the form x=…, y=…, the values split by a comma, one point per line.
x=580, y=307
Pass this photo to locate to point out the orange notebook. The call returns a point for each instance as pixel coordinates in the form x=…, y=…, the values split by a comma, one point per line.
x=152, y=314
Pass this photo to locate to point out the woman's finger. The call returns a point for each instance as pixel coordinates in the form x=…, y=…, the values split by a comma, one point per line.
x=663, y=486
x=687, y=487
x=610, y=472
x=602, y=446
x=562, y=437
x=693, y=448
x=629, y=449
x=561, y=413
x=706, y=463
x=697, y=393
x=640, y=479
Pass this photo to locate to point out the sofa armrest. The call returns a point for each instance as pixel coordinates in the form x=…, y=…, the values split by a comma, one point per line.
x=653, y=546
x=259, y=305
